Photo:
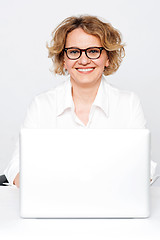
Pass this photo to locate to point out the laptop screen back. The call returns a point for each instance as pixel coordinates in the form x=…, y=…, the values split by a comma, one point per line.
x=89, y=173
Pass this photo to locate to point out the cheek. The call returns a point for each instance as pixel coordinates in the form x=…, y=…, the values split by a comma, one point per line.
x=104, y=60
x=102, y=63
x=67, y=64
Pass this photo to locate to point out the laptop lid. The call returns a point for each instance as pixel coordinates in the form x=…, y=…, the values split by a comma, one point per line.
x=89, y=173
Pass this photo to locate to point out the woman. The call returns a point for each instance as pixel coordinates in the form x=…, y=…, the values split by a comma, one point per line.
x=85, y=48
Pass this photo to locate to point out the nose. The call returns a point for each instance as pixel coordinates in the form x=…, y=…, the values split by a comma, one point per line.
x=84, y=60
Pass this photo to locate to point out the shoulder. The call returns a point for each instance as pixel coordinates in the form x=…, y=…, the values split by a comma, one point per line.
x=43, y=108
x=46, y=102
x=117, y=92
x=123, y=101
x=51, y=94
x=127, y=106
x=122, y=96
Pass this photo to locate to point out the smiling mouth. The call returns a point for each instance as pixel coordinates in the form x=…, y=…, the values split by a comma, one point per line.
x=84, y=70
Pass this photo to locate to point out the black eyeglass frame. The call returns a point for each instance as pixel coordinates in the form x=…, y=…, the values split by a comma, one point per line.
x=83, y=50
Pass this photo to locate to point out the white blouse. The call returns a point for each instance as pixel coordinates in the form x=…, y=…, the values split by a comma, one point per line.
x=112, y=108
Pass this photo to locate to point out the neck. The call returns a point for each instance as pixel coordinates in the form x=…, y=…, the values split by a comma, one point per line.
x=84, y=94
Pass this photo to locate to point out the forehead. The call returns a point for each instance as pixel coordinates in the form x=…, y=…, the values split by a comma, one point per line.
x=79, y=38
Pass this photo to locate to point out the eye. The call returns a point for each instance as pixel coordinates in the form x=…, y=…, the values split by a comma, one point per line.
x=73, y=51
x=93, y=51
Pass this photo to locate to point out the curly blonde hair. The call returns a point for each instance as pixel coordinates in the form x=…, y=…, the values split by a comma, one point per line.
x=110, y=39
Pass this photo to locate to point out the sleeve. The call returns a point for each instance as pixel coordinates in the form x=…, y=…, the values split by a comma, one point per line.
x=13, y=166
x=138, y=121
x=31, y=121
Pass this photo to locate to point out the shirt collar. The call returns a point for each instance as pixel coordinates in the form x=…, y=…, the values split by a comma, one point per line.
x=102, y=99
x=65, y=99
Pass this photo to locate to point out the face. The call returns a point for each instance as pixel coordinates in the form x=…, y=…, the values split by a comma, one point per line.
x=84, y=71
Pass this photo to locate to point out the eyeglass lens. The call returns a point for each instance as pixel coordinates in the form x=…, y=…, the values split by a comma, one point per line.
x=75, y=53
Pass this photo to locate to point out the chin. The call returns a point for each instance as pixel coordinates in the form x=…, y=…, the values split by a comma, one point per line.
x=87, y=82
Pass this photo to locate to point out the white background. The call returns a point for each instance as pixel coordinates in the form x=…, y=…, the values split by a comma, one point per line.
x=26, y=26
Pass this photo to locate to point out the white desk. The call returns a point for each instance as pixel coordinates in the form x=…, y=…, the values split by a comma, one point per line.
x=14, y=227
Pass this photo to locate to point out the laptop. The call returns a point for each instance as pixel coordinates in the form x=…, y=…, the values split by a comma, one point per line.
x=84, y=173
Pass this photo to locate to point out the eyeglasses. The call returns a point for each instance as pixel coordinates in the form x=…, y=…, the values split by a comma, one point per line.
x=75, y=53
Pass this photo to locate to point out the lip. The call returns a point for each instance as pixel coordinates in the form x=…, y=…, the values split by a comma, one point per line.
x=85, y=70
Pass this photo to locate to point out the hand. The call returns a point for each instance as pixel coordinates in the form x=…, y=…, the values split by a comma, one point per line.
x=16, y=180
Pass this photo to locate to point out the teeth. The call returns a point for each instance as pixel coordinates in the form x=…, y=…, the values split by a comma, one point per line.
x=84, y=70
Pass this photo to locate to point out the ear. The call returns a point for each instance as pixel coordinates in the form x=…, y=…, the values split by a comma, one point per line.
x=107, y=63
x=65, y=67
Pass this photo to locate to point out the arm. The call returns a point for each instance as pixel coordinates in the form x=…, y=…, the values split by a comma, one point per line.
x=16, y=180
x=138, y=121
x=12, y=170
